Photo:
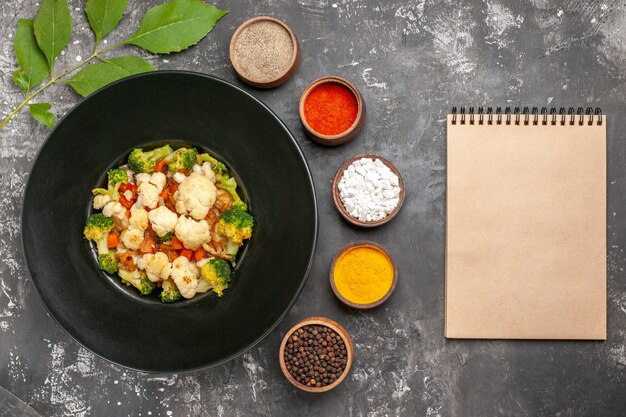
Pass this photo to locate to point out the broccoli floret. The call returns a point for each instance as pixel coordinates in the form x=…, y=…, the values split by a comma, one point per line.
x=216, y=273
x=138, y=280
x=236, y=225
x=140, y=161
x=231, y=249
x=97, y=229
x=108, y=262
x=98, y=226
x=230, y=185
x=116, y=177
x=181, y=159
x=217, y=166
x=166, y=238
x=170, y=292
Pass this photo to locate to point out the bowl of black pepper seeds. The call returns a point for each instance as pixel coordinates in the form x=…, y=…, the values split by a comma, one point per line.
x=316, y=354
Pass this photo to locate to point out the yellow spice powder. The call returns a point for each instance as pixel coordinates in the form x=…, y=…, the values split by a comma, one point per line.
x=363, y=274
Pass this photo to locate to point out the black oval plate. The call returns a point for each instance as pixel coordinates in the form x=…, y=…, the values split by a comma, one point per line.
x=156, y=107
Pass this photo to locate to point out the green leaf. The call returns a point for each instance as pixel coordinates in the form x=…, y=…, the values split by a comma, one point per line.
x=21, y=79
x=41, y=113
x=174, y=26
x=104, y=15
x=53, y=27
x=98, y=75
x=33, y=65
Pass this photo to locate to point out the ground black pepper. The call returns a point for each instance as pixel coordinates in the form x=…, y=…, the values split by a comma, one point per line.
x=263, y=51
x=315, y=355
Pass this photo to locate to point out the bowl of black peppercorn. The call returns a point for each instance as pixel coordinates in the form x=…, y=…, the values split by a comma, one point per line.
x=316, y=354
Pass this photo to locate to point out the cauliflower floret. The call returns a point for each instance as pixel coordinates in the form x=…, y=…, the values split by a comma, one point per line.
x=158, y=179
x=207, y=171
x=195, y=196
x=141, y=178
x=128, y=195
x=192, y=233
x=184, y=276
x=157, y=266
x=194, y=268
x=132, y=238
x=149, y=194
x=163, y=220
x=179, y=177
x=202, y=261
x=139, y=218
x=100, y=201
x=114, y=209
x=203, y=286
x=121, y=248
x=138, y=204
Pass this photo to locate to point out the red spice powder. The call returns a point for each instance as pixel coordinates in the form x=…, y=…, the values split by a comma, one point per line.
x=331, y=108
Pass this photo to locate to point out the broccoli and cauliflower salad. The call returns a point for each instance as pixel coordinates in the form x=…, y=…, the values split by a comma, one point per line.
x=169, y=220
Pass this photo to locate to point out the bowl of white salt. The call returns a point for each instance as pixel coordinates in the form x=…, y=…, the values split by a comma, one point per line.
x=368, y=190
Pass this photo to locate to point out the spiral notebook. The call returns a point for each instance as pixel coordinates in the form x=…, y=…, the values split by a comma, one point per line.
x=526, y=224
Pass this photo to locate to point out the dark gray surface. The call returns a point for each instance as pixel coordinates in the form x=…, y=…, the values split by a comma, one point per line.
x=412, y=62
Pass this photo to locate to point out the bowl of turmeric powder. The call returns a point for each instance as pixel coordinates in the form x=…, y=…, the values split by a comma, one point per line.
x=363, y=275
x=332, y=111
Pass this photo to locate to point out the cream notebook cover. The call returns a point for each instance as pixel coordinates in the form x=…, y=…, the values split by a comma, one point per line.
x=526, y=226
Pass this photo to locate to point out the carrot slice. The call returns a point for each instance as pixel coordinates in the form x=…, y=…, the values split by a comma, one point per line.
x=123, y=187
x=159, y=166
x=113, y=239
x=133, y=189
x=126, y=203
x=199, y=254
x=176, y=244
x=187, y=253
x=147, y=247
x=164, y=194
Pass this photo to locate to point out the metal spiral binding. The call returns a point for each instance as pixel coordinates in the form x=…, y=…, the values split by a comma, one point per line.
x=534, y=116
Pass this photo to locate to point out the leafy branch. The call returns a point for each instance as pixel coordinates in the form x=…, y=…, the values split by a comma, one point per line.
x=169, y=27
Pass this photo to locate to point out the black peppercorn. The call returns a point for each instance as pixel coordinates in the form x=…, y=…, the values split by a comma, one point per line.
x=315, y=356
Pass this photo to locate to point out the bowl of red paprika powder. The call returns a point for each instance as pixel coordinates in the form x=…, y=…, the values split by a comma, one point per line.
x=332, y=111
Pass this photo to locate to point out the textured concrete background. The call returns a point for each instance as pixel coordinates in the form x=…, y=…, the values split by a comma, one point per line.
x=412, y=61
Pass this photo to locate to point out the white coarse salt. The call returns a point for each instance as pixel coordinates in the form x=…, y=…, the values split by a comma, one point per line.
x=369, y=189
